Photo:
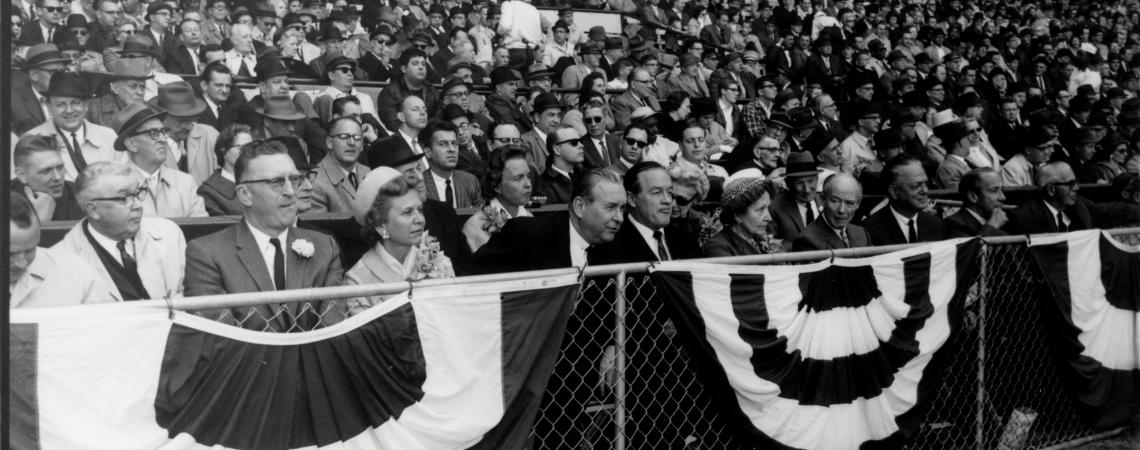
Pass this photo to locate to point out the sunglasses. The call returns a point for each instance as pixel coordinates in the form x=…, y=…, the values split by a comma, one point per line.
x=636, y=143
x=126, y=31
x=574, y=142
x=53, y=9
x=344, y=70
x=597, y=119
x=383, y=42
x=79, y=32
x=682, y=200
x=421, y=46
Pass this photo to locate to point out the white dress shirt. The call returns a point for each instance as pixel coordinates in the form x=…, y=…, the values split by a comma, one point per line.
x=412, y=142
x=441, y=187
x=803, y=210
x=111, y=245
x=904, y=223
x=1053, y=215
x=647, y=235
x=578, y=246
x=267, y=250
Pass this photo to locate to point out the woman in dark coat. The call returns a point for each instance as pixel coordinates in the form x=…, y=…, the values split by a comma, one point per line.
x=745, y=216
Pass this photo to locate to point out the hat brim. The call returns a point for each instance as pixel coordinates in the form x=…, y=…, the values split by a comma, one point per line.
x=151, y=53
x=539, y=74
x=120, y=141
x=803, y=174
x=260, y=110
x=48, y=61
x=195, y=111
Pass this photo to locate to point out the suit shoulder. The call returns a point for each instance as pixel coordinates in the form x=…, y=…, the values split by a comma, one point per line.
x=216, y=238
x=464, y=175
x=162, y=227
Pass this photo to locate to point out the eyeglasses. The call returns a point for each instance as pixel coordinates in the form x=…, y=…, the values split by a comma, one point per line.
x=135, y=196
x=53, y=9
x=126, y=31
x=421, y=46
x=636, y=143
x=1069, y=184
x=975, y=130
x=383, y=42
x=505, y=141
x=349, y=137
x=79, y=32
x=344, y=70
x=278, y=184
x=155, y=134
x=682, y=200
x=597, y=119
x=574, y=142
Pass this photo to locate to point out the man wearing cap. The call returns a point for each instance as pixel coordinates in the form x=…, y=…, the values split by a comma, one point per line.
x=793, y=210
x=689, y=81
x=158, y=16
x=81, y=141
x=559, y=45
x=135, y=256
x=547, y=117
x=45, y=28
x=39, y=176
x=339, y=174
x=240, y=59
x=191, y=143
x=266, y=252
x=412, y=82
x=857, y=152
x=981, y=213
x=28, y=102
x=589, y=57
x=501, y=104
x=183, y=59
x=904, y=220
x=144, y=137
x=375, y=65
x=341, y=73
x=834, y=230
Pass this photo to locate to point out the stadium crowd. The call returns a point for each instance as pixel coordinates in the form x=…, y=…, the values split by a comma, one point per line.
x=699, y=128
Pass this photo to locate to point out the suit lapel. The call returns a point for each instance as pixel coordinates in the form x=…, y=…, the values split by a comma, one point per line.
x=295, y=265
x=251, y=259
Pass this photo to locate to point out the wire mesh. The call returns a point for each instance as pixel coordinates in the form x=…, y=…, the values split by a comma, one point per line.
x=1000, y=388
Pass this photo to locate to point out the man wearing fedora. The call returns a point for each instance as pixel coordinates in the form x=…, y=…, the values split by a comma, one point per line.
x=28, y=101
x=539, y=77
x=547, y=117
x=560, y=46
x=145, y=138
x=81, y=141
x=501, y=104
x=159, y=15
x=139, y=49
x=341, y=73
x=803, y=124
x=795, y=209
x=331, y=44
x=278, y=119
x=127, y=81
x=191, y=143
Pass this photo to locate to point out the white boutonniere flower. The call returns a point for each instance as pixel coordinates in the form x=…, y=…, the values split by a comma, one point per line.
x=303, y=248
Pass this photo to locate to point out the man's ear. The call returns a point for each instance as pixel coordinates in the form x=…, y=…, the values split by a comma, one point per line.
x=243, y=195
x=577, y=206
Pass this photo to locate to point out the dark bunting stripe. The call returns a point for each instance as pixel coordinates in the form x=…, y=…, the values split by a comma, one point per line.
x=680, y=302
x=838, y=287
x=1105, y=397
x=23, y=359
x=839, y=380
x=242, y=395
x=533, y=324
x=1120, y=273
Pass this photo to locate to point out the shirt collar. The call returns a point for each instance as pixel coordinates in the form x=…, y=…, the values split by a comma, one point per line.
x=229, y=176
x=903, y=221
x=647, y=234
x=576, y=239
x=1053, y=211
x=404, y=268
x=498, y=206
x=108, y=244
x=560, y=171
x=262, y=239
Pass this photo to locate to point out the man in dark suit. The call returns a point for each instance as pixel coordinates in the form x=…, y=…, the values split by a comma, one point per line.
x=442, y=180
x=1057, y=209
x=640, y=93
x=28, y=106
x=266, y=251
x=225, y=105
x=566, y=155
x=904, y=219
x=158, y=30
x=825, y=67
x=601, y=148
x=184, y=58
x=646, y=234
x=46, y=28
x=795, y=209
x=555, y=240
x=982, y=199
x=1006, y=129
x=376, y=64
x=841, y=198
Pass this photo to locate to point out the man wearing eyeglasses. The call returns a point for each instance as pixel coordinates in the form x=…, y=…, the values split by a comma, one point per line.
x=634, y=143
x=640, y=93
x=566, y=156
x=137, y=257
x=144, y=137
x=216, y=27
x=1058, y=208
x=159, y=16
x=341, y=73
x=339, y=173
x=46, y=28
x=376, y=65
x=266, y=251
x=756, y=113
x=601, y=148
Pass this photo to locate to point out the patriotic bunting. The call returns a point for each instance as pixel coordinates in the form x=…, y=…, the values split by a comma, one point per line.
x=1093, y=316
x=832, y=355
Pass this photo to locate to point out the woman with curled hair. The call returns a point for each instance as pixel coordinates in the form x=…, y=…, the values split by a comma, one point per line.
x=745, y=216
x=506, y=190
x=391, y=214
x=219, y=191
x=691, y=186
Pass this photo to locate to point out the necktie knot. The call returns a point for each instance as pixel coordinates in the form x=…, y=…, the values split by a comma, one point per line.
x=912, y=233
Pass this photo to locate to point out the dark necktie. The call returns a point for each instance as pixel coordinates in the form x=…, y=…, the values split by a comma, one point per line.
x=129, y=262
x=449, y=193
x=243, y=71
x=662, y=250
x=278, y=265
x=912, y=234
x=1061, y=223
x=352, y=180
x=77, y=154
x=604, y=152
x=810, y=215
x=183, y=161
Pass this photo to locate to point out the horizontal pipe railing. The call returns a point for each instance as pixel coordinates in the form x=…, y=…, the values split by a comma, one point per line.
x=341, y=292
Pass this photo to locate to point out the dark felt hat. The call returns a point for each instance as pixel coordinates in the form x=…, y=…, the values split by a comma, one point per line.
x=538, y=71
x=560, y=25
x=331, y=33
x=689, y=59
x=590, y=48
x=137, y=44
x=614, y=43
x=76, y=21
x=801, y=164
x=177, y=99
x=437, y=9
x=951, y=133
x=967, y=100
x=889, y=138
x=780, y=119
x=280, y=108
x=392, y=152
x=42, y=55
x=130, y=118
x=597, y=33
x=502, y=75
x=638, y=44
x=423, y=37
x=265, y=12
x=267, y=68
x=702, y=106
x=453, y=81
x=68, y=84
x=158, y=7
x=802, y=118
x=340, y=61
x=452, y=111
x=546, y=101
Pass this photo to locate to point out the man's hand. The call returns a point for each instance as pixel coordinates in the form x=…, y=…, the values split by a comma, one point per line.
x=607, y=367
x=998, y=218
x=43, y=202
x=369, y=133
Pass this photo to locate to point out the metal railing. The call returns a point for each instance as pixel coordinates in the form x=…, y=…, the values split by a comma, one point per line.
x=623, y=382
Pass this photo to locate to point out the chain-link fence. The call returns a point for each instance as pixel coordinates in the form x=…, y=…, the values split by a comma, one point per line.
x=1000, y=389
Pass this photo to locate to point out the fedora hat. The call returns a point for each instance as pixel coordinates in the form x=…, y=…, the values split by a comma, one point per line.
x=177, y=99
x=43, y=54
x=68, y=84
x=279, y=108
x=453, y=81
x=637, y=44
x=459, y=62
x=392, y=153
x=502, y=75
x=546, y=101
x=129, y=119
x=452, y=111
x=538, y=70
x=802, y=118
x=137, y=44
x=267, y=68
x=780, y=119
x=801, y=164
x=126, y=69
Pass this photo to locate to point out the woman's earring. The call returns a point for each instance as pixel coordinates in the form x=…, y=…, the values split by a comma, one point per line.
x=383, y=234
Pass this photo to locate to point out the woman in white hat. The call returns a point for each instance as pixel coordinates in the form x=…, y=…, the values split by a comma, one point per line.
x=391, y=214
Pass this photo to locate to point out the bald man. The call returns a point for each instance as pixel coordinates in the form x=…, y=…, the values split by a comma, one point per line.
x=842, y=195
x=1057, y=209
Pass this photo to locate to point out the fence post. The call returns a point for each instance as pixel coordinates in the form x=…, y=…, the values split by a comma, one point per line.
x=619, y=342
x=980, y=414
